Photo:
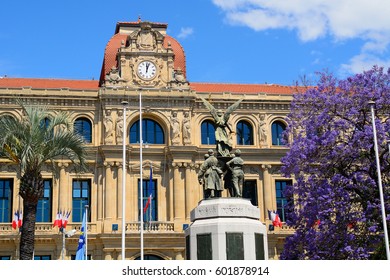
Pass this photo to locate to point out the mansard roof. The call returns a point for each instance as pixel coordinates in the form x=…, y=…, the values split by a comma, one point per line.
x=111, y=50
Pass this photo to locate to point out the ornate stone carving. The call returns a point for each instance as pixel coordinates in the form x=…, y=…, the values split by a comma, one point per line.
x=108, y=128
x=113, y=77
x=119, y=128
x=186, y=128
x=175, y=126
x=262, y=130
x=179, y=80
x=146, y=39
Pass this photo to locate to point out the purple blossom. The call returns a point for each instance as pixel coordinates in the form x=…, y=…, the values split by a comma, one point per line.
x=332, y=160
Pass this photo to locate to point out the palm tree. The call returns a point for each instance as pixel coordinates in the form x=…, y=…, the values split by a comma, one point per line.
x=31, y=142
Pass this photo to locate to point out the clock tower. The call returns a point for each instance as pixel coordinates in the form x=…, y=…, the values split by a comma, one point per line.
x=142, y=55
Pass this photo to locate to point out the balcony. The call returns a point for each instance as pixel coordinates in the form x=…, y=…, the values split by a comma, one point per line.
x=131, y=227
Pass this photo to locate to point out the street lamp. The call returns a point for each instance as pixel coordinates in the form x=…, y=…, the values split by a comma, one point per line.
x=66, y=234
x=372, y=105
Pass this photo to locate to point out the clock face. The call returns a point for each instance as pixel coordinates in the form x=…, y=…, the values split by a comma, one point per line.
x=147, y=70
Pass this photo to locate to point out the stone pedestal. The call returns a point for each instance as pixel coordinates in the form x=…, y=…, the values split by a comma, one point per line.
x=226, y=228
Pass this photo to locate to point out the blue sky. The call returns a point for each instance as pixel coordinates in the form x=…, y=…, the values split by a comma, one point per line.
x=227, y=41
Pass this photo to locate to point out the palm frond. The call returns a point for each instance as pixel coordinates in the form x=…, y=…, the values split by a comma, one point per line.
x=38, y=138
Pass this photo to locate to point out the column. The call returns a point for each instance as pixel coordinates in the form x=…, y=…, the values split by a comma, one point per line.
x=100, y=194
x=170, y=193
x=178, y=195
x=63, y=186
x=267, y=190
x=189, y=190
x=109, y=195
x=119, y=190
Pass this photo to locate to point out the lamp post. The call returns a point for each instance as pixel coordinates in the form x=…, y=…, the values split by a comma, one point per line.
x=66, y=234
x=372, y=105
x=141, y=179
x=124, y=171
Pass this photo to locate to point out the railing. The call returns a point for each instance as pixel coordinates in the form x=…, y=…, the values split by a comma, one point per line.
x=131, y=227
x=150, y=227
x=284, y=229
x=48, y=229
x=44, y=228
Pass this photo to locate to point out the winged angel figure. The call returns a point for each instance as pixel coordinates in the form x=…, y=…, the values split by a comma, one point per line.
x=224, y=146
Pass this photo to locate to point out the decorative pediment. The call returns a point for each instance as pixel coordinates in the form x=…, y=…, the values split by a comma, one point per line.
x=146, y=38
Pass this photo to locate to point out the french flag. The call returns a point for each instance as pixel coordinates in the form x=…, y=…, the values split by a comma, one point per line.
x=65, y=219
x=150, y=186
x=58, y=220
x=18, y=219
x=274, y=217
x=148, y=203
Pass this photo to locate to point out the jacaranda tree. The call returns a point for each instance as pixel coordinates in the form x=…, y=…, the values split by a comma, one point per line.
x=334, y=204
x=32, y=141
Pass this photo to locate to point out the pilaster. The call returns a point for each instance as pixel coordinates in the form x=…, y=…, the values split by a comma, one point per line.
x=267, y=189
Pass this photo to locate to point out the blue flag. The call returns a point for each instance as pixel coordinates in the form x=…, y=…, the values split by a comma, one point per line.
x=80, y=254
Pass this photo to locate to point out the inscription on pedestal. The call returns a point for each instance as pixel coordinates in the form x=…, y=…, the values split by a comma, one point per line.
x=225, y=207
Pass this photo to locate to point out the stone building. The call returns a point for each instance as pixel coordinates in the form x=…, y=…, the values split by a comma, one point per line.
x=142, y=60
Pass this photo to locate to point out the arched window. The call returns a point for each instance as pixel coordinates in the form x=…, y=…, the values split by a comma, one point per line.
x=45, y=122
x=244, y=133
x=83, y=127
x=152, y=132
x=208, y=132
x=277, y=133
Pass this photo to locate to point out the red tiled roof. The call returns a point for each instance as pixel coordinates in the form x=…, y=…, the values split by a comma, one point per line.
x=48, y=83
x=180, y=58
x=242, y=88
x=196, y=86
x=110, y=52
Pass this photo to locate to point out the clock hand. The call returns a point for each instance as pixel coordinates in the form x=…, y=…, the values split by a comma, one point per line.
x=147, y=67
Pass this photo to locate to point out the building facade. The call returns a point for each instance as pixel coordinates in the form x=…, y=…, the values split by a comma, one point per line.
x=145, y=67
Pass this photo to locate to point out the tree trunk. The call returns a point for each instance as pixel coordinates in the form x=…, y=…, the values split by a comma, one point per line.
x=26, y=249
x=31, y=190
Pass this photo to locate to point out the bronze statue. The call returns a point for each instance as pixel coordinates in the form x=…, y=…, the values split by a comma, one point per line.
x=210, y=176
x=224, y=145
x=237, y=174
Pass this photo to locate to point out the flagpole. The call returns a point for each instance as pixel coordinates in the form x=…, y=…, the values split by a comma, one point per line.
x=86, y=232
x=124, y=173
x=151, y=198
x=378, y=168
x=140, y=178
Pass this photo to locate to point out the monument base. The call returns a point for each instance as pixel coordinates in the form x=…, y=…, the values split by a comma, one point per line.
x=226, y=229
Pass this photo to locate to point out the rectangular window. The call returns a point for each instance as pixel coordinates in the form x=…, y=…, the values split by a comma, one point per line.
x=281, y=199
x=149, y=187
x=234, y=246
x=204, y=249
x=5, y=258
x=73, y=257
x=6, y=187
x=259, y=245
x=44, y=203
x=250, y=191
x=42, y=258
x=81, y=196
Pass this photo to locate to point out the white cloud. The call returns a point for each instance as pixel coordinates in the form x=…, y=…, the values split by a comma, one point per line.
x=313, y=19
x=185, y=32
x=363, y=62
